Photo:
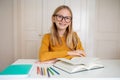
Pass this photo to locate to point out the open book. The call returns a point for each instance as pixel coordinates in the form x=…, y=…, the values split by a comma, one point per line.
x=77, y=64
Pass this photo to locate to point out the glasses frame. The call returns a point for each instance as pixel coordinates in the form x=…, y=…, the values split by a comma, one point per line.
x=60, y=18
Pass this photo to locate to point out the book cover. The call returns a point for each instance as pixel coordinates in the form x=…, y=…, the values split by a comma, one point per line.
x=78, y=64
x=19, y=69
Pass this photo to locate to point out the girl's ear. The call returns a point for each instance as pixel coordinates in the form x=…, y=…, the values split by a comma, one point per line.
x=53, y=19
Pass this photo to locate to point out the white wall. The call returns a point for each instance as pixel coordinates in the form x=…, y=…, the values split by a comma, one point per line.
x=107, y=29
x=6, y=33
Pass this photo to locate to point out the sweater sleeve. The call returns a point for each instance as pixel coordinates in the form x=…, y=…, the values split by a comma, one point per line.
x=44, y=52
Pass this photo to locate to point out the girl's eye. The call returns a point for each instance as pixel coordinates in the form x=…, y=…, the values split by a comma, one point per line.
x=66, y=17
x=60, y=16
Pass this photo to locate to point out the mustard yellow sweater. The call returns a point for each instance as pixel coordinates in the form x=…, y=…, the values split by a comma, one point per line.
x=48, y=52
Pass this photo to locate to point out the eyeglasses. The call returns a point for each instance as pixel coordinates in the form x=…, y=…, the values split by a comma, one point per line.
x=66, y=18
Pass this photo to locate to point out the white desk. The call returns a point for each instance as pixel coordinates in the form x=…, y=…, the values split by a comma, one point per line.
x=110, y=71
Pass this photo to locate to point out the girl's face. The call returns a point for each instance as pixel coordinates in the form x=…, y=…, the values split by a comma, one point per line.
x=62, y=19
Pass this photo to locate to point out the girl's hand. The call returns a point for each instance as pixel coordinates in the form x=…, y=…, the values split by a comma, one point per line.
x=79, y=53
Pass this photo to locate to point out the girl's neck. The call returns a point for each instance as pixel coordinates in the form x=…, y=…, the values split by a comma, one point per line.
x=61, y=33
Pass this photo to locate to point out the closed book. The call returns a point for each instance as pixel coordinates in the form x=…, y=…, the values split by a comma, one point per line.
x=16, y=70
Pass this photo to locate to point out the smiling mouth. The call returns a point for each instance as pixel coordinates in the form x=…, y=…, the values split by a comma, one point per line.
x=62, y=24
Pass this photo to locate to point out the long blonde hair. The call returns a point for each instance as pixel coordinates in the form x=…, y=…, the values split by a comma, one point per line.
x=70, y=36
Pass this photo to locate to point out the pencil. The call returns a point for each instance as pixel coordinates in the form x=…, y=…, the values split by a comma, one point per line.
x=38, y=70
x=44, y=71
x=41, y=71
x=48, y=72
x=51, y=71
x=54, y=70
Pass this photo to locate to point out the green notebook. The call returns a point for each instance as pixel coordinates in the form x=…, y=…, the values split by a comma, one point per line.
x=19, y=69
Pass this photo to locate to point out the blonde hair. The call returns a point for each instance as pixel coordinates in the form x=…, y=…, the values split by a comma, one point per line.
x=70, y=36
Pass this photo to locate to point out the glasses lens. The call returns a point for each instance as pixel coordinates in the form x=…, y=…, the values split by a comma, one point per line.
x=59, y=17
x=66, y=18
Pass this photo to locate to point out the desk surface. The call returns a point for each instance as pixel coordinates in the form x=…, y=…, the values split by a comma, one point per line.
x=110, y=70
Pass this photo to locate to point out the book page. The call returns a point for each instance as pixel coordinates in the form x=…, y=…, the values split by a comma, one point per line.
x=94, y=66
x=66, y=60
x=76, y=68
x=80, y=60
x=84, y=60
x=68, y=67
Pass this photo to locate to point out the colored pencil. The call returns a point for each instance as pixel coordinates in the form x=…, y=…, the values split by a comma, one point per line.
x=48, y=72
x=54, y=70
x=38, y=70
x=51, y=71
x=41, y=71
x=44, y=71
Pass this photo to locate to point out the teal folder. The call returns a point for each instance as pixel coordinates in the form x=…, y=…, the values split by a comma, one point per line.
x=19, y=69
